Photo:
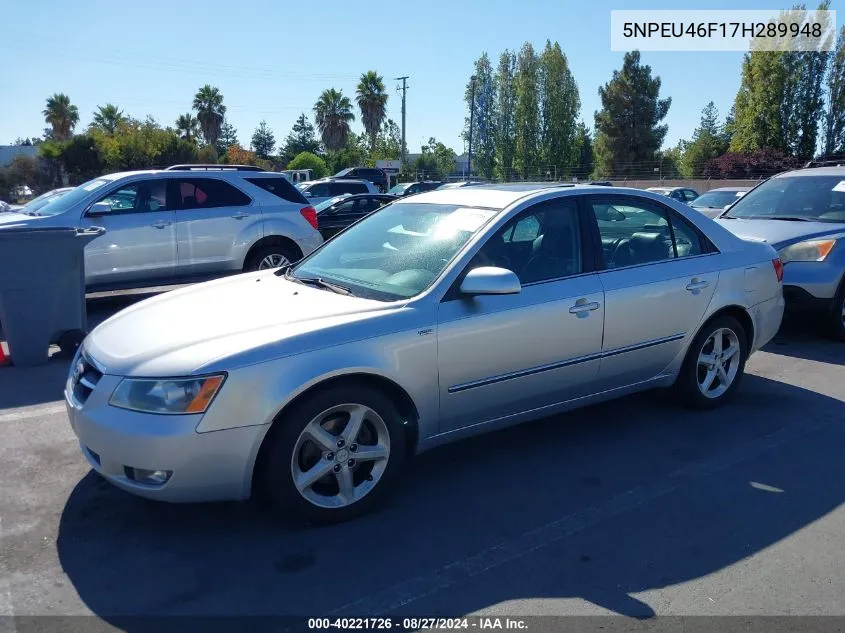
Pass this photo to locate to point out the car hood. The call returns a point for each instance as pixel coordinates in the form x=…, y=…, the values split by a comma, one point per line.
x=779, y=233
x=225, y=324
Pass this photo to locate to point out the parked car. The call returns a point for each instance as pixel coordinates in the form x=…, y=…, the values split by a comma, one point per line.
x=681, y=194
x=298, y=175
x=5, y=206
x=802, y=215
x=714, y=202
x=411, y=188
x=376, y=176
x=183, y=224
x=336, y=214
x=460, y=184
x=318, y=191
x=439, y=316
x=32, y=207
x=601, y=183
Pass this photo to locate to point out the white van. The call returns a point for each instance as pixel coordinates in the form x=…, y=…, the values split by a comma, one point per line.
x=297, y=176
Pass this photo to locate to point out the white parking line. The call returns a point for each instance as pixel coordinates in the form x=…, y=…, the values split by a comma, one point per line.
x=414, y=589
x=26, y=413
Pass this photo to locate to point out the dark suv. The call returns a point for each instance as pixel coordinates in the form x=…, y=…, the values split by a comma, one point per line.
x=376, y=176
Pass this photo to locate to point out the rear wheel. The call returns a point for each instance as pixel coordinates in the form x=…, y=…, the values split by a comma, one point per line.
x=714, y=364
x=335, y=454
x=835, y=321
x=268, y=257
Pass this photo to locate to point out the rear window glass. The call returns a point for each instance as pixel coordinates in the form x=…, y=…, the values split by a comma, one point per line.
x=279, y=187
x=338, y=188
x=198, y=193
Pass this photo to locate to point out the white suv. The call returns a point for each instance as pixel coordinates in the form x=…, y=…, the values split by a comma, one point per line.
x=318, y=191
x=184, y=223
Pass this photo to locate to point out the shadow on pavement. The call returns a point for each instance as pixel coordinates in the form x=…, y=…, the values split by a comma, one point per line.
x=800, y=338
x=600, y=503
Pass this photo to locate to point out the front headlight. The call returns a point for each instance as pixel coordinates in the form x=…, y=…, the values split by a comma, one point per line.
x=167, y=396
x=809, y=251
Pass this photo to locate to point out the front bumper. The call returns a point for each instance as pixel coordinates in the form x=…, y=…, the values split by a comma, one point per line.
x=212, y=466
x=811, y=286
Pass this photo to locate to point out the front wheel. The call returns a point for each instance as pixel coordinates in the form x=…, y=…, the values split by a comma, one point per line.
x=714, y=364
x=335, y=454
x=835, y=321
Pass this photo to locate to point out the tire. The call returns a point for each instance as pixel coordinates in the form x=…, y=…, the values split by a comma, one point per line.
x=688, y=386
x=292, y=452
x=69, y=342
x=834, y=323
x=266, y=253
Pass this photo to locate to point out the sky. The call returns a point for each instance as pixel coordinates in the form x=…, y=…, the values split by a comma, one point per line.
x=271, y=59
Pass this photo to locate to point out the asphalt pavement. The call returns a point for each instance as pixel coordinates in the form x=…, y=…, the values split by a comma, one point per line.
x=634, y=508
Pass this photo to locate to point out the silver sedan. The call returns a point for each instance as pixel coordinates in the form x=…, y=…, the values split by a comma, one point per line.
x=439, y=316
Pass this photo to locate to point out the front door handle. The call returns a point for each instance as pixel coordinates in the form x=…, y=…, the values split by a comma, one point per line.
x=240, y=216
x=583, y=308
x=697, y=284
x=160, y=225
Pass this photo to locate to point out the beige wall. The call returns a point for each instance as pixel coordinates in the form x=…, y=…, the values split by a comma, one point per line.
x=699, y=185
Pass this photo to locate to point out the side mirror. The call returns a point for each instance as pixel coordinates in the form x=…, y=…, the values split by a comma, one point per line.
x=490, y=280
x=99, y=209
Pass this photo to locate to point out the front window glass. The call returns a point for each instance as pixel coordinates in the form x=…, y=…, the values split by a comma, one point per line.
x=816, y=198
x=396, y=252
x=66, y=202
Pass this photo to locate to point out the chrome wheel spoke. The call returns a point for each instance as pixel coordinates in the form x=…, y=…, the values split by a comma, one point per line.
x=729, y=353
x=722, y=374
x=345, y=486
x=370, y=453
x=706, y=360
x=314, y=474
x=353, y=427
x=321, y=436
x=717, y=342
x=708, y=379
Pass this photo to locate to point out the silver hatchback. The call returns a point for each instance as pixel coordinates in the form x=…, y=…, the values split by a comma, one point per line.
x=439, y=316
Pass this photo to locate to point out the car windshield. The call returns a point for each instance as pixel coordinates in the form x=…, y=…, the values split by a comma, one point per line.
x=396, y=252
x=715, y=199
x=400, y=188
x=325, y=204
x=817, y=198
x=60, y=204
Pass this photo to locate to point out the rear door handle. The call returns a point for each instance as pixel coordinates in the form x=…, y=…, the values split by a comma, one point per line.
x=240, y=216
x=583, y=308
x=160, y=225
x=696, y=284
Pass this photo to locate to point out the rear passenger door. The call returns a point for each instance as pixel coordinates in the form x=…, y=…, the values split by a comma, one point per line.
x=211, y=218
x=658, y=280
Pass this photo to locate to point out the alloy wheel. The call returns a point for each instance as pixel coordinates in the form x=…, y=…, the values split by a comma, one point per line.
x=718, y=362
x=340, y=456
x=274, y=260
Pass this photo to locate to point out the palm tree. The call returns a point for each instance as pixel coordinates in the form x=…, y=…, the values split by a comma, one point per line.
x=188, y=126
x=208, y=102
x=61, y=115
x=333, y=113
x=107, y=118
x=372, y=100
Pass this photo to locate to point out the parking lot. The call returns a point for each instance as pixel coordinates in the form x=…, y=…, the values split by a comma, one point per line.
x=635, y=507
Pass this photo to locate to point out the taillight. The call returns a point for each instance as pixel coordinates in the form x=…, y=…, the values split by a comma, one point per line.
x=310, y=214
x=778, y=264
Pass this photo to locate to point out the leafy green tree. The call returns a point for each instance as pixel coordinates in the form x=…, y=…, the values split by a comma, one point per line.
x=628, y=130
x=582, y=154
x=669, y=161
x=352, y=154
x=559, y=107
x=527, y=112
x=436, y=160
x=505, y=122
x=188, y=126
x=834, y=118
x=107, y=118
x=263, y=141
x=61, y=115
x=484, y=119
x=82, y=159
x=208, y=103
x=388, y=142
x=228, y=138
x=302, y=138
x=372, y=101
x=309, y=160
x=708, y=142
x=333, y=114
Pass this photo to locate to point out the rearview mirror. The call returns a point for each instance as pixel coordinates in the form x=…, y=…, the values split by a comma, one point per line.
x=99, y=208
x=490, y=280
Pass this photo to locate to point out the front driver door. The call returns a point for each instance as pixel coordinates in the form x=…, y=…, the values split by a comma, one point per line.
x=503, y=355
x=139, y=245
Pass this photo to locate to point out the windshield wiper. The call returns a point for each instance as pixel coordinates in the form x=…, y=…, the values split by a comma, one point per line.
x=790, y=218
x=320, y=283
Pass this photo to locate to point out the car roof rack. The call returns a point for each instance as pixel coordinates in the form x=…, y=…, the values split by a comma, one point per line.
x=826, y=161
x=213, y=168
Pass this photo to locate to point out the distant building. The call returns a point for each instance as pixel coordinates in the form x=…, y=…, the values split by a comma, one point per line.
x=8, y=153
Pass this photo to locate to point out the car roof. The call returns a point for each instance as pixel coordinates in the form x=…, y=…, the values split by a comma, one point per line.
x=813, y=171
x=728, y=189
x=500, y=196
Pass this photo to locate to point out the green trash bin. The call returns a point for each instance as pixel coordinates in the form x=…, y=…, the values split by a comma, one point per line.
x=42, y=289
